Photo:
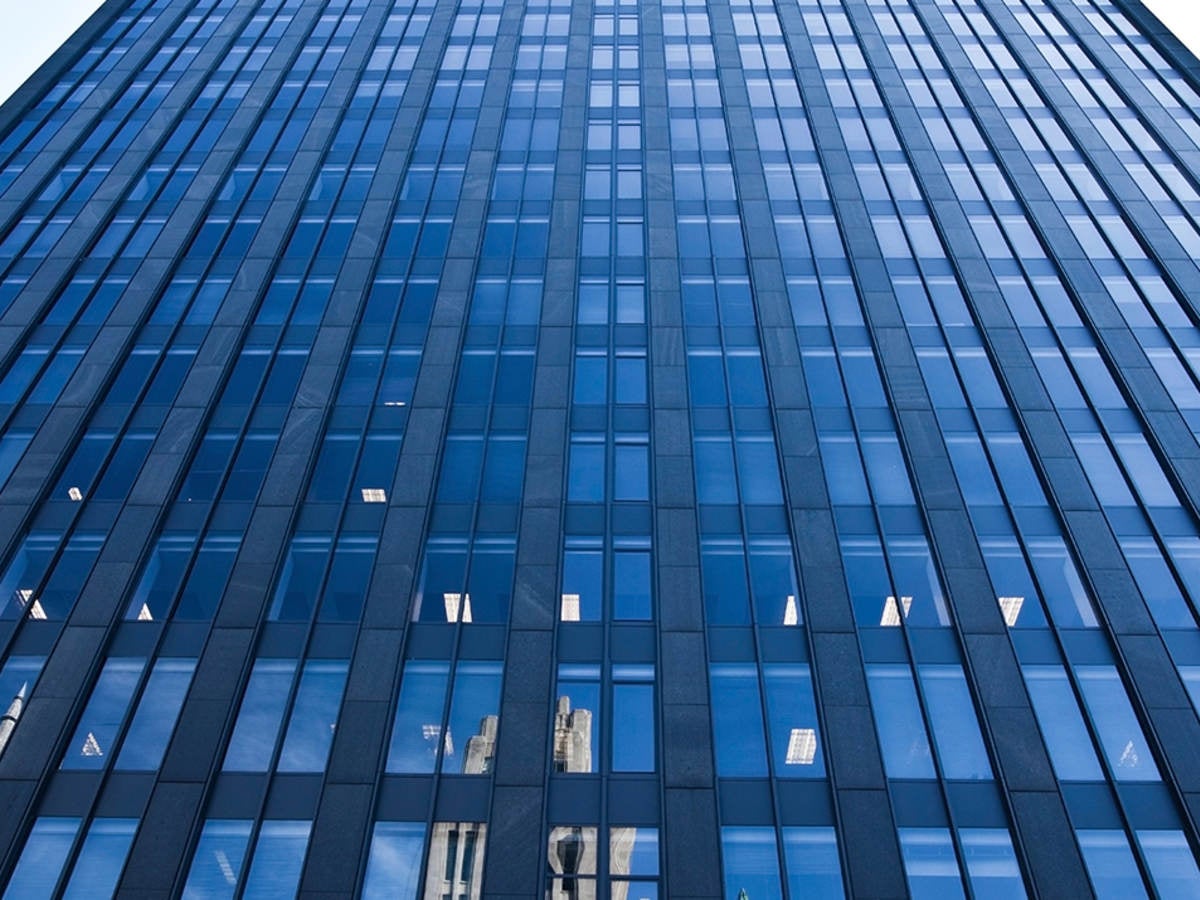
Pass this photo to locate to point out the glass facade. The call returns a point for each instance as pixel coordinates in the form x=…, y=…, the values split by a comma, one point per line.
x=616, y=449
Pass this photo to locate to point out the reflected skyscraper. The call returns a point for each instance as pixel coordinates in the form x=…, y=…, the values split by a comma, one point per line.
x=624, y=449
x=572, y=738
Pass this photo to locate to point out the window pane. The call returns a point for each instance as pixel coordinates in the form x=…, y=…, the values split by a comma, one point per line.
x=418, y=728
x=929, y=863
x=148, y=734
x=1120, y=734
x=278, y=861
x=631, y=585
x=218, y=860
x=474, y=718
x=42, y=859
x=160, y=580
x=1062, y=724
x=301, y=579
x=314, y=717
x=632, y=726
x=582, y=583
x=101, y=859
x=792, y=716
x=17, y=678
x=572, y=851
x=394, y=866
x=723, y=571
x=1172, y=865
x=1110, y=865
x=455, y=867
x=19, y=672
x=811, y=858
x=751, y=862
x=93, y=740
x=633, y=851
x=992, y=866
x=955, y=728
x=576, y=719
x=775, y=590
x=631, y=472
x=261, y=714
x=585, y=474
x=737, y=721
x=898, y=719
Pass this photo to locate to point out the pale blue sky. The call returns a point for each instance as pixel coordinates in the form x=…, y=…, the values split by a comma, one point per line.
x=32, y=29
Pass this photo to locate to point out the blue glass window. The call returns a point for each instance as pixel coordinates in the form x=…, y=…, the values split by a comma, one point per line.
x=101, y=859
x=277, y=860
x=955, y=727
x=751, y=861
x=461, y=740
x=577, y=719
x=1110, y=864
x=42, y=859
x=218, y=860
x=633, y=718
x=1062, y=724
x=95, y=736
x=811, y=859
x=260, y=716
x=930, y=864
x=737, y=721
x=992, y=868
x=314, y=716
x=792, y=720
x=1171, y=862
x=902, y=735
x=162, y=698
x=1117, y=726
x=394, y=863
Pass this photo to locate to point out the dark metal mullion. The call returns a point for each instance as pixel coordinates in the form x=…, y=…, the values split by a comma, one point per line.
x=1039, y=428
x=689, y=781
x=1139, y=649
x=15, y=510
x=1162, y=40
x=520, y=784
x=1165, y=429
x=77, y=651
x=393, y=662
x=977, y=624
x=499, y=77
x=1175, y=142
x=147, y=105
x=71, y=133
x=982, y=435
x=169, y=805
x=62, y=261
x=887, y=873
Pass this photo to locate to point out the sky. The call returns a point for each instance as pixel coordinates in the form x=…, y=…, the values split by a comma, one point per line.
x=33, y=29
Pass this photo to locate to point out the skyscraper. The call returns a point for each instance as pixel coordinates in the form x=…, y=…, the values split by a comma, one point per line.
x=530, y=448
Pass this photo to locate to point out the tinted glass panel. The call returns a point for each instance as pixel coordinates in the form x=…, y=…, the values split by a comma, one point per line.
x=218, y=860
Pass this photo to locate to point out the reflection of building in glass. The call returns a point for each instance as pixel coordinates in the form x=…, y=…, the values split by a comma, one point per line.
x=573, y=859
x=572, y=738
x=455, y=866
x=481, y=748
x=8, y=722
x=621, y=843
x=575, y=865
